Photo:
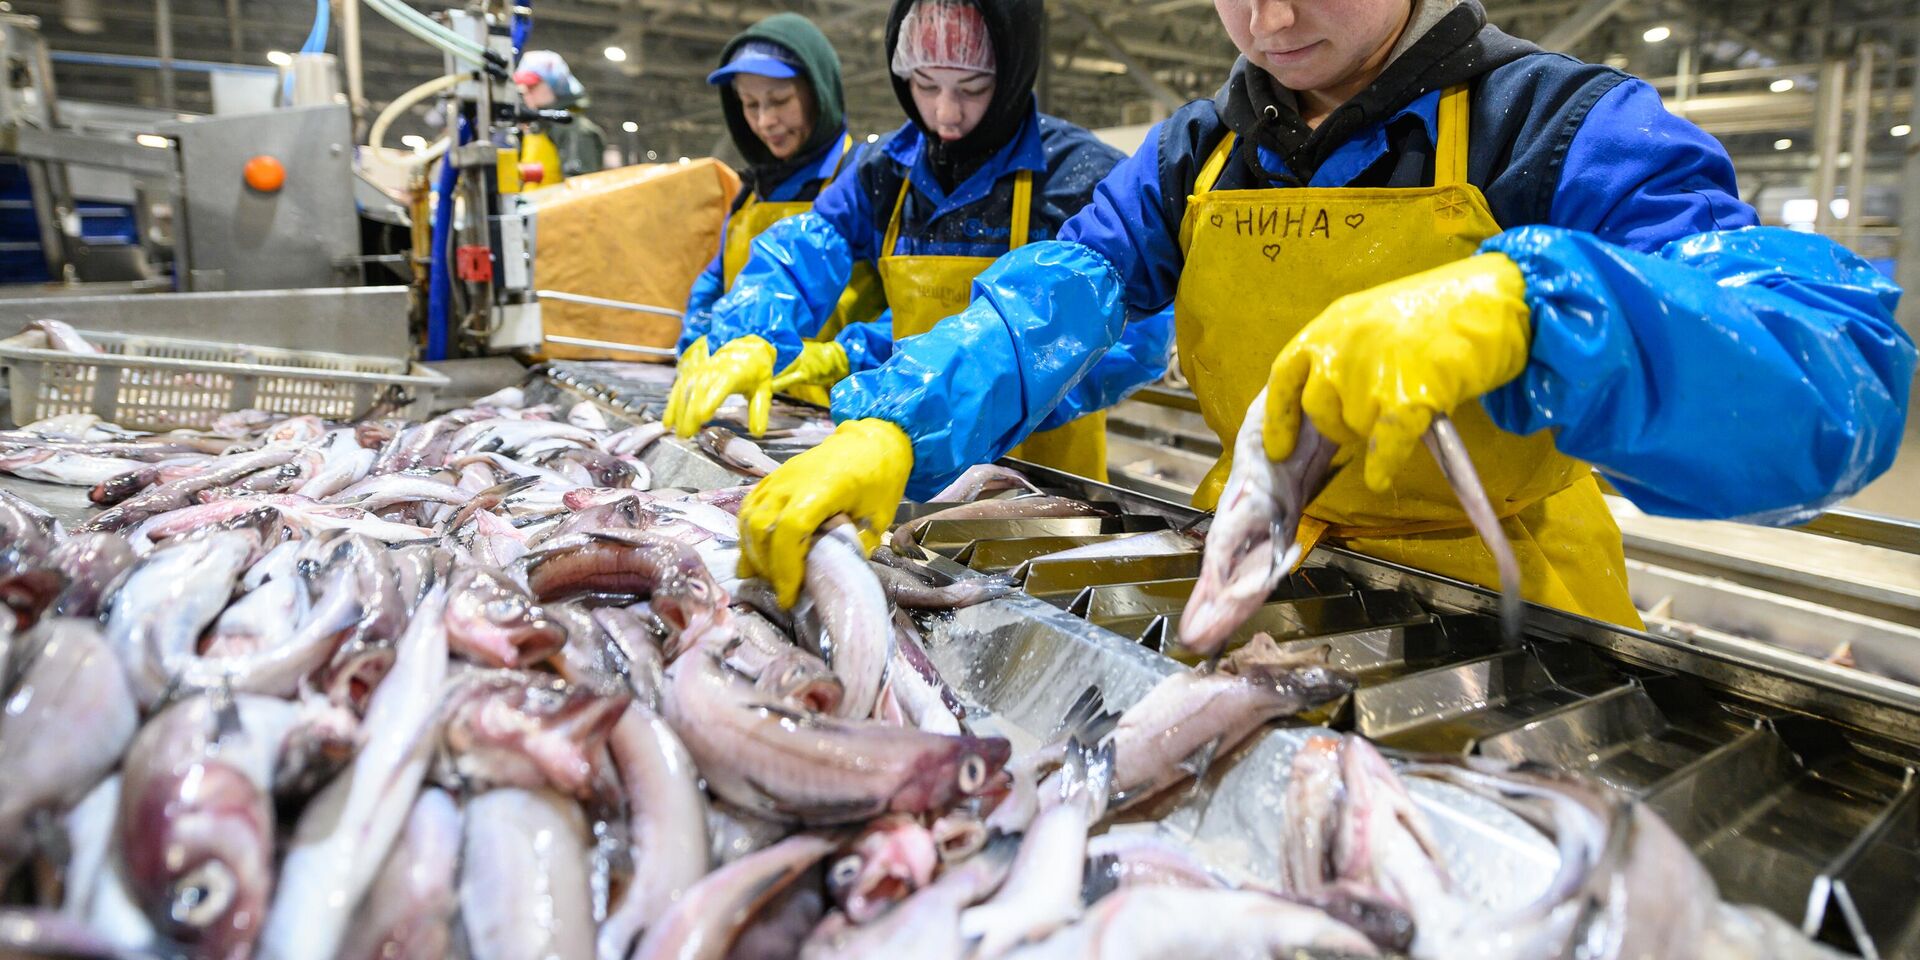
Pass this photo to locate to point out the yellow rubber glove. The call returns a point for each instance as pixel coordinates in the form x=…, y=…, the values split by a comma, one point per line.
x=690, y=361
x=819, y=365
x=860, y=470
x=743, y=366
x=1378, y=364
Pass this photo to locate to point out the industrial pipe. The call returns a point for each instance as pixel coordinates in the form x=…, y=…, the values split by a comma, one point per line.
x=407, y=101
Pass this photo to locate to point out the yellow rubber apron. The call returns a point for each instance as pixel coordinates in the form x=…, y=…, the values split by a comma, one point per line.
x=924, y=290
x=860, y=302
x=1261, y=264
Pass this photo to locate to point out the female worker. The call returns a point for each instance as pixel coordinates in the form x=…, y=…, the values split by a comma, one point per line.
x=1392, y=210
x=780, y=92
x=975, y=171
x=547, y=83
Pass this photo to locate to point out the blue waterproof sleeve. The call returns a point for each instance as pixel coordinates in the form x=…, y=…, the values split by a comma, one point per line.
x=789, y=287
x=1040, y=318
x=698, y=317
x=1755, y=374
x=1137, y=359
x=868, y=344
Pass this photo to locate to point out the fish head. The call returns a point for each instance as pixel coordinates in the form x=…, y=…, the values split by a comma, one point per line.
x=197, y=844
x=959, y=835
x=957, y=768
x=1300, y=679
x=894, y=857
x=492, y=620
x=1238, y=571
x=803, y=681
x=690, y=602
x=28, y=591
x=516, y=730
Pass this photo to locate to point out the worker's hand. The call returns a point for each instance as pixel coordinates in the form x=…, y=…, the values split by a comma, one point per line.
x=820, y=364
x=743, y=366
x=1379, y=364
x=860, y=470
x=690, y=361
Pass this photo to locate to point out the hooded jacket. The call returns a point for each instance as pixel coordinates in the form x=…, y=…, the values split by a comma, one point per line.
x=821, y=66
x=799, y=267
x=1013, y=28
x=1653, y=294
x=800, y=178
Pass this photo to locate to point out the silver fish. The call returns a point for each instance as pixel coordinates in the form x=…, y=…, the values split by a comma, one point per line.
x=704, y=923
x=277, y=668
x=1177, y=923
x=89, y=828
x=908, y=590
x=345, y=833
x=196, y=826
x=981, y=479
x=92, y=563
x=1251, y=545
x=783, y=764
x=524, y=889
x=63, y=727
x=1154, y=544
x=61, y=336
x=1042, y=891
x=857, y=631
x=1192, y=716
x=667, y=823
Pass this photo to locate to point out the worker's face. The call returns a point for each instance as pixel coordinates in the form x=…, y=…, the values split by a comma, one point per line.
x=780, y=112
x=951, y=102
x=537, y=96
x=1313, y=45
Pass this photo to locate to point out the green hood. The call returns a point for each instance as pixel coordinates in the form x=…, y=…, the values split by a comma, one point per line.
x=822, y=66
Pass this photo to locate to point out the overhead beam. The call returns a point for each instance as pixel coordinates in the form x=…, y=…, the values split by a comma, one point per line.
x=1582, y=21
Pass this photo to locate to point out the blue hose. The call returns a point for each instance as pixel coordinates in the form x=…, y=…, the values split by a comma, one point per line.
x=322, y=23
x=316, y=42
x=439, y=273
x=522, y=27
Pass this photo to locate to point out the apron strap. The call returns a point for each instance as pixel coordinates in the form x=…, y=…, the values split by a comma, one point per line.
x=1216, y=162
x=1022, y=209
x=893, y=222
x=1450, y=136
x=1022, y=214
x=846, y=148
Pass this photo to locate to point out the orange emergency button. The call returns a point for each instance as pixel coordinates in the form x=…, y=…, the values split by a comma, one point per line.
x=265, y=174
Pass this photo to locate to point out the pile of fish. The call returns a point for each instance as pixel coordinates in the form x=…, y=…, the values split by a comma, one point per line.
x=473, y=687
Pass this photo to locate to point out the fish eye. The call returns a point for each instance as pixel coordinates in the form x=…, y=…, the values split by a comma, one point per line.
x=973, y=773
x=203, y=894
x=504, y=609
x=844, y=872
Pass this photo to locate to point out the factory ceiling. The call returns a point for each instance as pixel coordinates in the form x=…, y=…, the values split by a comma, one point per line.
x=1112, y=62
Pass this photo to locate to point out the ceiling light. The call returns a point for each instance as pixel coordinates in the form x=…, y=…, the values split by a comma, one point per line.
x=873, y=138
x=630, y=127
x=616, y=54
x=1783, y=144
x=653, y=155
x=685, y=160
x=415, y=141
x=1839, y=206
x=153, y=140
x=1781, y=85
x=1656, y=34
x=279, y=58
x=1900, y=129
x=1799, y=210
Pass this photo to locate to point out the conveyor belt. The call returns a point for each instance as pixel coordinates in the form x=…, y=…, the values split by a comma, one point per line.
x=1796, y=791
x=1792, y=780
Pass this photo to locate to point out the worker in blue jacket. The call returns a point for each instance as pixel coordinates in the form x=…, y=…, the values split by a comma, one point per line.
x=780, y=92
x=1392, y=210
x=977, y=170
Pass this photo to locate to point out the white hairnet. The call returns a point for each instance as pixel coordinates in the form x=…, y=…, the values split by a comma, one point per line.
x=943, y=33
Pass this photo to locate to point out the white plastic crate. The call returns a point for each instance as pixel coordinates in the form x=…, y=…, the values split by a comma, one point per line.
x=160, y=383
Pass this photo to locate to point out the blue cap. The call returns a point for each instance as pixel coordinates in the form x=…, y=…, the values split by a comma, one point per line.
x=762, y=58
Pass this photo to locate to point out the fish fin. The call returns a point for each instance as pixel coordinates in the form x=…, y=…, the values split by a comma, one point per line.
x=1100, y=877
x=1085, y=709
x=1087, y=776
x=1199, y=761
